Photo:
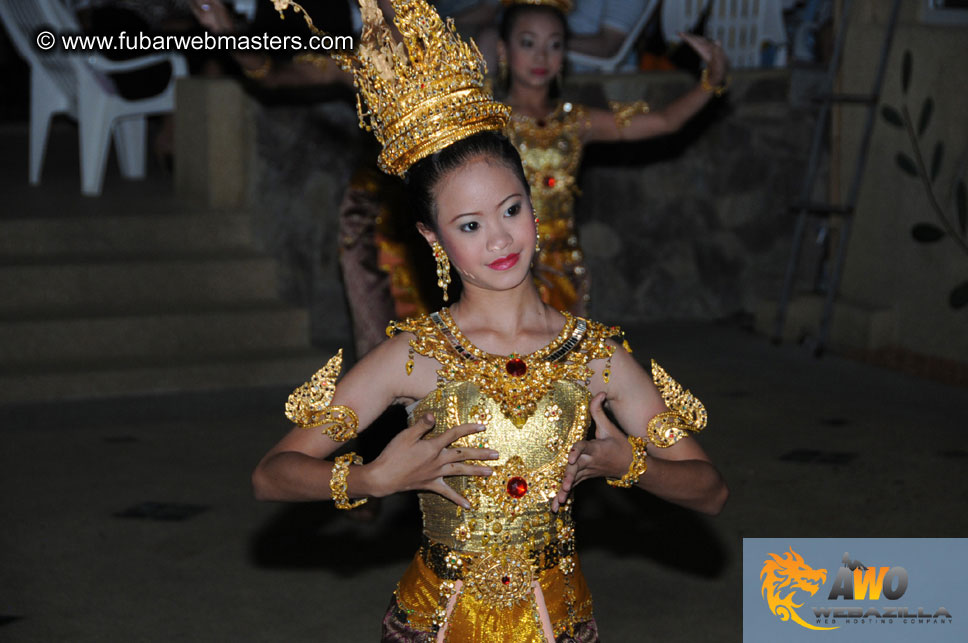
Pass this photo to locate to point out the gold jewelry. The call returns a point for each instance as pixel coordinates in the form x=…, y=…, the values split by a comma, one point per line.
x=709, y=88
x=443, y=267
x=636, y=468
x=564, y=6
x=337, y=484
x=516, y=383
x=308, y=406
x=421, y=95
x=319, y=61
x=623, y=112
x=687, y=414
x=259, y=72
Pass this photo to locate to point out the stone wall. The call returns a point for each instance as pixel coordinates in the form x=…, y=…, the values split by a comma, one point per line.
x=692, y=226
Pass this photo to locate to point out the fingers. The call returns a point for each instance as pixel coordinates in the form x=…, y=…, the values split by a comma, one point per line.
x=457, y=454
x=463, y=469
x=576, y=450
x=422, y=425
x=456, y=433
x=603, y=425
x=442, y=488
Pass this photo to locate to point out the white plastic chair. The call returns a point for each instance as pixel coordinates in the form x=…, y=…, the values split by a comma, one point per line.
x=77, y=84
x=678, y=16
x=744, y=27
x=612, y=63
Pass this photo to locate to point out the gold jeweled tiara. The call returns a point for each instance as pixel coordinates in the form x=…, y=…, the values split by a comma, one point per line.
x=564, y=6
x=420, y=95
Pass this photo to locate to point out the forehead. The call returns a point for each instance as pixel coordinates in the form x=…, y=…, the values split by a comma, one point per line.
x=542, y=23
x=478, y=185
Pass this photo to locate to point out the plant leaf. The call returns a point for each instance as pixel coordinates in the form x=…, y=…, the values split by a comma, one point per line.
x=892, y=116
x=926, y=110
x=936, y=159
x=906, y=163
x=926, y=232
x=961, y=204
x=959, y=296
x=906, y=65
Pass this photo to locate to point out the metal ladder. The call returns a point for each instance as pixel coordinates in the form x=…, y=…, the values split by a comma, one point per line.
x=805, y=207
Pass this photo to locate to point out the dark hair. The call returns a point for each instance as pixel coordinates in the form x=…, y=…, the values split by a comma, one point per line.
x=424, y=175
x=515, y=11
x=508, y=19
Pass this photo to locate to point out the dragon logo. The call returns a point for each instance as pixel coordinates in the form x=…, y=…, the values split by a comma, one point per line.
x=782, y=577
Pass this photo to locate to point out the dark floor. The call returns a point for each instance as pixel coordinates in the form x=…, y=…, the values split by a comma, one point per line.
x=806, y=446
x=132, y=520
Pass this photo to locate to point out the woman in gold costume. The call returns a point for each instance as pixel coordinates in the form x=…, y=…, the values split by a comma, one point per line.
x=501, y=388
x=550, y=134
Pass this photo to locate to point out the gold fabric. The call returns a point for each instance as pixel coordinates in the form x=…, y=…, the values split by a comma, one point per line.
x=509, y=538
x=551, y=150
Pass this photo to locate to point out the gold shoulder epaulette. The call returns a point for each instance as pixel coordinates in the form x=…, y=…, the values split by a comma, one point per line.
x=309, y=405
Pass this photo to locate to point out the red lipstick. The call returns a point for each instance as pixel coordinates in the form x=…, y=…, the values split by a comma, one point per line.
x=504, y=262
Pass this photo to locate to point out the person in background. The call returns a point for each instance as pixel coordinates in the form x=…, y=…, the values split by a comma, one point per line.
x=550, y=133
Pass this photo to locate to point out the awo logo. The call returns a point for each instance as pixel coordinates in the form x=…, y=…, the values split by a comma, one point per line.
x=783, y=577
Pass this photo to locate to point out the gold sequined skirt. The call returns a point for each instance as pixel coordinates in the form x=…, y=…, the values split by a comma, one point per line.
x=496, y=599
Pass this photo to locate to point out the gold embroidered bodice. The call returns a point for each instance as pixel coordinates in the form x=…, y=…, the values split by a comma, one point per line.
x=534, y=408
x=551, y=150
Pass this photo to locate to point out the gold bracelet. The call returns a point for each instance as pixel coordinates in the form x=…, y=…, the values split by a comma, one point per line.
x=623, y=112
x=709, y=88
x=259, y=72
x=638, y=466
x=337, y=484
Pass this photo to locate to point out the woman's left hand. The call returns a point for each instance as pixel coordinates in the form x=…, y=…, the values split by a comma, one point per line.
x=712, y=54
x=608, y=455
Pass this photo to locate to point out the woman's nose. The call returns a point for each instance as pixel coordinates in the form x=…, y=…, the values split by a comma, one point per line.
x=499, y=240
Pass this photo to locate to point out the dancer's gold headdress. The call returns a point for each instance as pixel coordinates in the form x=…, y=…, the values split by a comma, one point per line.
x=564, y=6
x=420, y=95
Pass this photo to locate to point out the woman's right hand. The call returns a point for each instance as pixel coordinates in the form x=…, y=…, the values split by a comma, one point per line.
x=410, y=463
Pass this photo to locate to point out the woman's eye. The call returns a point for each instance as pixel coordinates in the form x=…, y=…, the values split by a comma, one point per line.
x=470, y=226
x=513, y=210
x=557, y=45
x=526, y=42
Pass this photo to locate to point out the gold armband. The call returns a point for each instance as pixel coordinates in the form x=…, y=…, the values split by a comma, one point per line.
x=308, y=406
x=709, y=88
x=259, y=72
x=623, y=112
x=638, y=466
x=337, y=484
x=686, y=414
x=319, y=61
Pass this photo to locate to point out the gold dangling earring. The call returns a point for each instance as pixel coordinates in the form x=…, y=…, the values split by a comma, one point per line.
x=502, y=71
x=537, y=234
x=443, y=267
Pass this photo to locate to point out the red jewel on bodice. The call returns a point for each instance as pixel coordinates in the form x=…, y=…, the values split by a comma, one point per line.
x=516, y=367
x=517, y=487
x=550, y=181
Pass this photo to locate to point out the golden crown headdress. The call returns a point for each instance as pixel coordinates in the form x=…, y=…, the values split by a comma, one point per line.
x=421, y=94
x=564, y=6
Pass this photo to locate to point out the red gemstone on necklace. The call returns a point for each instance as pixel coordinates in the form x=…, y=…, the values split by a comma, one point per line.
x=506, y=580
x=516, y=367
x=517, y=487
